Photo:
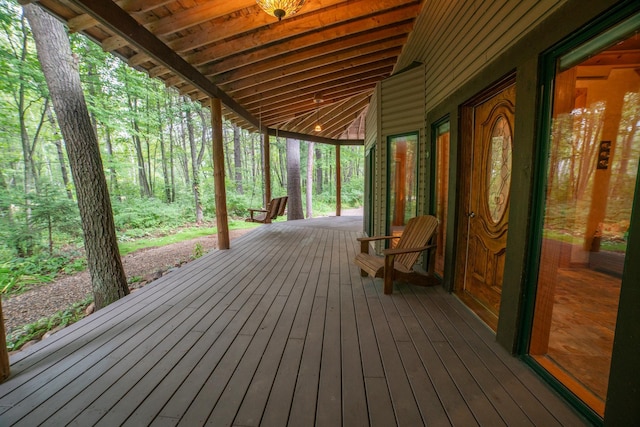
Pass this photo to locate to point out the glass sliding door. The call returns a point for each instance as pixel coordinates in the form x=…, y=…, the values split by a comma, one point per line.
x=592, y=166
x=402, y=181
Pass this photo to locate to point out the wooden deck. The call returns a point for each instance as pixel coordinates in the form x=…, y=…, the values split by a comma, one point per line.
x=278, y=330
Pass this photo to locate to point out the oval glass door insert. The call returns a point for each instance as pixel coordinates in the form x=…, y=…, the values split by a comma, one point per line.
x=499, y=170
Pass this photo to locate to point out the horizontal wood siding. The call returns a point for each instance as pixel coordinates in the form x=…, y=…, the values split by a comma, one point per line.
x=456, y=39
x=402, y=98
x=402, y=111
x=371, y=122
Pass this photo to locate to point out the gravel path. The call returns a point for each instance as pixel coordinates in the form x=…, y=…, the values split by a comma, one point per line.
x=47, y=299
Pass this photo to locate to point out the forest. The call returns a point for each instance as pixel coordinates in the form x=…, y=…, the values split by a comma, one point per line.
x=156, y=150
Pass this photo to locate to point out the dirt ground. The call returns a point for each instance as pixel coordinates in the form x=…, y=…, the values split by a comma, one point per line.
x=145, y=264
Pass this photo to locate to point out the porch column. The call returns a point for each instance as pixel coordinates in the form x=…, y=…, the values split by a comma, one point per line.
x=267, y=167
x=218, y=174
x=338, y=183
x=4, y=354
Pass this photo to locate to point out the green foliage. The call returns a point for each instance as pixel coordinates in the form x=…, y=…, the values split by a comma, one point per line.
x=147, y=214
x=35, y=330
x=352, y=193
x=15, y=277
x=238, y=204
x=18, y=274
x=198, y=251
x=174, y=236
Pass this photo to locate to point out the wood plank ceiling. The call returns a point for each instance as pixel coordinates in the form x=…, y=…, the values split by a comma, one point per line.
x=268, y=74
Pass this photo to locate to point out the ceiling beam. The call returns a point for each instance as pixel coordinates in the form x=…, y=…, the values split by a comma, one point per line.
x=319, y=85
x=122, y=24
x=251, y=19
x=84, y=21
x=301, y=79
x=306, y=105
x=297, y=26
x=396, y=22
x=314, y=138
x=306, y=60
x=305, y=98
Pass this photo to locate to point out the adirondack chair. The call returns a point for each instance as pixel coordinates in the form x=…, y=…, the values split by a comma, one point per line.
x=267, y=214
x=397, y=263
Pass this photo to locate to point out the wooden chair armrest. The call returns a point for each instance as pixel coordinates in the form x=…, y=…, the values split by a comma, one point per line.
x=364, y=242
x=257, y=210
x=374, y=238
x=396, y=251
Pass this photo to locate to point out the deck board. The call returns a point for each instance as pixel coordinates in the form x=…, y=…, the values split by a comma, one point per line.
x=278, y=330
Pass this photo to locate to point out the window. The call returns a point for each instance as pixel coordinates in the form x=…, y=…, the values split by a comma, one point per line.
x=592, y=165
x=440, y=191
x=402, y=184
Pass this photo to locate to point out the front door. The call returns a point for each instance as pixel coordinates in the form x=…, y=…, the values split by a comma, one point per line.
x=487, y=202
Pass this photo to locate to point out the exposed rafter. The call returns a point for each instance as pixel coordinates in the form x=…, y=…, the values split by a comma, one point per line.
x=265, y=72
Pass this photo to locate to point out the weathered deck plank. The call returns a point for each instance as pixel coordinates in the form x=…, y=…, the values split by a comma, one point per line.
x=279, y=330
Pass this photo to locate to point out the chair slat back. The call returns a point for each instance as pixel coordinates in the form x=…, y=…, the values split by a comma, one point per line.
x=417, y=233
x=283, y=205
x=273, y=207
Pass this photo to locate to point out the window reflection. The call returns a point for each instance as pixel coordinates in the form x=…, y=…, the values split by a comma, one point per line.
x=402, y=181
x=593, y=163
x=441, y=191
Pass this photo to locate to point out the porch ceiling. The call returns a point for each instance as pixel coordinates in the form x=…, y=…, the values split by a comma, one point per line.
x=266, y=73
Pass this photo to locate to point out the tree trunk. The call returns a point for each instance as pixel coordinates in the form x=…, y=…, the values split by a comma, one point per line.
x=108, y=279
x=113, y=176
x=183, y=155
x=195, y=179
x=294, y=206
x=163, y=157
x=318, y=171
x=237, y=159
x=63, y=165
x=171, y=156
x=310, y=181
x=29, y=172
x=145, y=189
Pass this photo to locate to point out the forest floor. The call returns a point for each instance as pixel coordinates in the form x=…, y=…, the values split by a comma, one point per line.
x=140, y=267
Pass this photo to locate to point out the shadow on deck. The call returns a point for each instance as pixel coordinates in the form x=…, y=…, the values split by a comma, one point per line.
x=278, y=330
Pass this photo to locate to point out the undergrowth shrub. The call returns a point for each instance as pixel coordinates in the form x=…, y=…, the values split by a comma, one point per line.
x=35, y=330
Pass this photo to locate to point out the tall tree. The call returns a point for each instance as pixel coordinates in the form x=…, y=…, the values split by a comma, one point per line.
x=195, y=169
x=237, y=159
x=294, y=207
x=318, y=170
x=310, y=181
x=145, y=187
x=163, y=152
x=108, y=279
x=58, y=142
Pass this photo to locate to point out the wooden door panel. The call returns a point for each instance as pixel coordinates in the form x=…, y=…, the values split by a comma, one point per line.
x=488, y=202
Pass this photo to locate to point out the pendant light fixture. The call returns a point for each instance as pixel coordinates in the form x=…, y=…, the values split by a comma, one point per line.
x=280, y=8
x=317, y=99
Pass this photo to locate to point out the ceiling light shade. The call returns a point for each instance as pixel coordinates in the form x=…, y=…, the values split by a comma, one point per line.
x=280, y=8
x=318, y=128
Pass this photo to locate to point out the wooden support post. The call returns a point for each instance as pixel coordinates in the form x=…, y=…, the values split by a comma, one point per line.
x=4, y=354
x=338, y=183
x=218, y=174
x=267, y=167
